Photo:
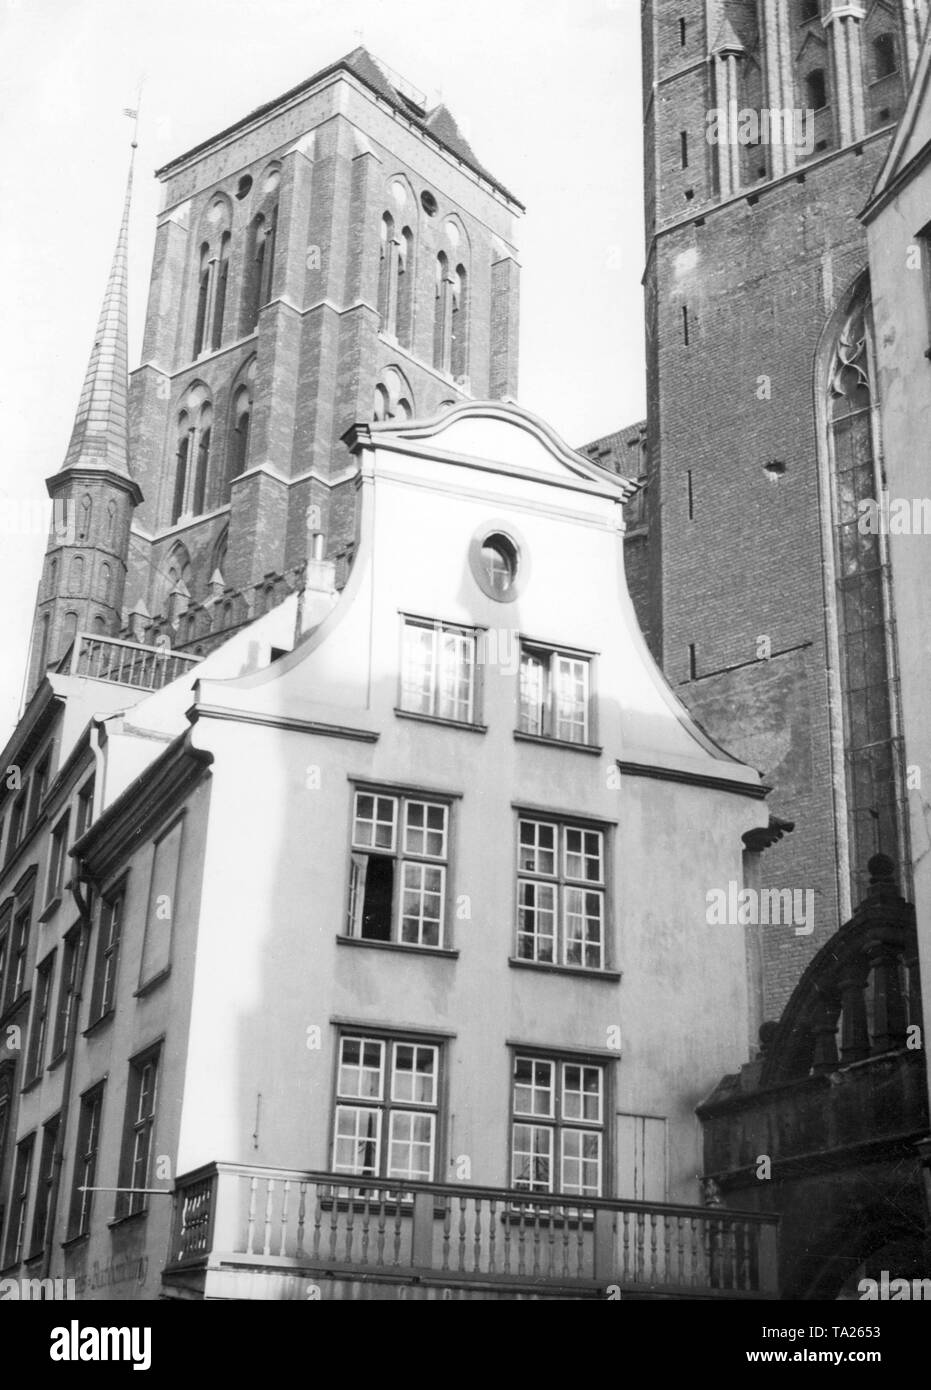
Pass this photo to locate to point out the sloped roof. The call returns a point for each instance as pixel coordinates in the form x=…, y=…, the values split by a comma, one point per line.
x=438, y=123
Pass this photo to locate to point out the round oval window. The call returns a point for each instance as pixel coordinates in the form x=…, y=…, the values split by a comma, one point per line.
x=499, y=561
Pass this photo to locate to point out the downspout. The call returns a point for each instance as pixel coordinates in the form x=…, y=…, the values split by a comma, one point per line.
x=84, y=905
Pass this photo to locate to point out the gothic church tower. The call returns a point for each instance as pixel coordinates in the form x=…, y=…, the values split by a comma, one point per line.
x=766, y=124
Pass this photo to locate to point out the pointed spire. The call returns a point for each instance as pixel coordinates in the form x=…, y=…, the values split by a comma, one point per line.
x=99, y=438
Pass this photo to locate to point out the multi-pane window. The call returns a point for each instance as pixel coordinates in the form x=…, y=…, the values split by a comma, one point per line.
x=398, y=878
x=58, y=858
x=44, y=1190
x=561, y=894
x=557, y=1132
x=85, y=809
x=16, y=967
x=108, y=955
x=40, y=1012
x=37, y=789
x=554, y=694
x=66, y=991
x=136, y=1158
x=17, y=822
x=85, y=1163
x=19, y=1201
x=438, y=670
x=387, y=1094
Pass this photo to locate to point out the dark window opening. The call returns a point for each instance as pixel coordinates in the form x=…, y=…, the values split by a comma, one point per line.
x=685, y=325
x=884, y=58
x=377, y=896
x=684, y=147
x=683, y=29
x=816, y=88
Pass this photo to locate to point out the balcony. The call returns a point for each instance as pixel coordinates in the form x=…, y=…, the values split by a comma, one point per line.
x=241, y=1231
x=124, y=663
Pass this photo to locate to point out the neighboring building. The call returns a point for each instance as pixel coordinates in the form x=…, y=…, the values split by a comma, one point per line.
x=829, y=1126
x=898, y=223
x=384, y=945
x=773, y=624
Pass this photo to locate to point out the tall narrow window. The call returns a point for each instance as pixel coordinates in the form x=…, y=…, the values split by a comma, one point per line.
x=69, y=630
x=103, y=994
x=239, y=443
x=459, y=324
x=43, y=643
x=44, y=1188
x=204, y=427
x=691, y=495
x=76, y=576
x=66, y=991
x=37, y=789
x=85, y=808
x=683, y=33
x=684, y=148
x=138, y=1133
x=385, y=271
x=685, y=325
x=35, y=1061
x=57, y=859
x=85, y=1163
x=254, y=275
x=181, y=468
x=405, y=288
x=219, y=307
x=441, y=314
x=203, y=299
x=19, y=1202
x=268, y=265
x=875, y=774
x=104, y=580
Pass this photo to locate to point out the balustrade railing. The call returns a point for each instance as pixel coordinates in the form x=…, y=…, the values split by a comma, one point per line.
x=125, y=663
x=228, y=1214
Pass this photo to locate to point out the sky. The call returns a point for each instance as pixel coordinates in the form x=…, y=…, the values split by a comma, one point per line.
x=548, y=93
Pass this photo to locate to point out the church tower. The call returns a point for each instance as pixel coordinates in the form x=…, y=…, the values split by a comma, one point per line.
x=93, y=494
x=766, y=123
x=338, y=255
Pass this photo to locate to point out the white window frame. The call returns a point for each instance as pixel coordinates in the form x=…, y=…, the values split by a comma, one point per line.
x=412, y=895
x=547, y=892
x=547, y=1128
x=389, y=1109
x=542, y=710
x=432, y=676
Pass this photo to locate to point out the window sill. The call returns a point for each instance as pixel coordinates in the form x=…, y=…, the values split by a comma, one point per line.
x=30, y=1085
x=92, y=1028
x=57, y=1060
x=73, y=1242
x=405, y=947
x=153, y=983
x=125, y=1220
x=50, y=908
x=521, y=737
x=582, y=972
x=14, y=1008
x=438, y=719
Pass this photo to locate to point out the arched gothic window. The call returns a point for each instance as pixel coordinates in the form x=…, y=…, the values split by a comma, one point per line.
x=219, y=305
x=76, y=576
x=393, y=399
x=255, y=274
x=459, y=324
x=103, y=583
x=239, y=444
x=866, y=644
x=385, y=272
x=441, y=313
x=111, y=519
x=85, y=516
x=203, y=299
x=69, y=630
x=41, y=665
x=192, y=456
x=405, y=289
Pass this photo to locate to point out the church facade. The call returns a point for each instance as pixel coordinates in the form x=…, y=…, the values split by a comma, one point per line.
x=766, y=125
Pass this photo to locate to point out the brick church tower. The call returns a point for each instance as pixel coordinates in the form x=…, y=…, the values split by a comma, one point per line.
x=766, y=123
x=336, y=256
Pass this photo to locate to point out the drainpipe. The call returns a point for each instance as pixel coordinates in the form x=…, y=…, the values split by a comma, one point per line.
x=83, y=901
